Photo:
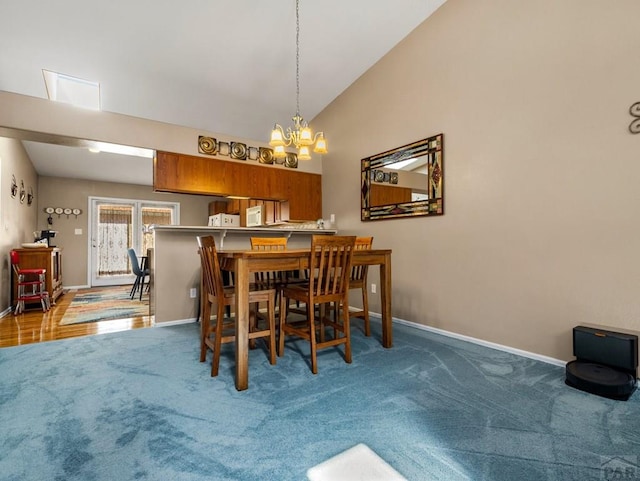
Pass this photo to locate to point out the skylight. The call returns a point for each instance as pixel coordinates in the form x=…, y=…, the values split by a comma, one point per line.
x=72, y=90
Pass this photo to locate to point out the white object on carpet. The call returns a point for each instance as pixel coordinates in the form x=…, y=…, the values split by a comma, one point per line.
x=358, y=463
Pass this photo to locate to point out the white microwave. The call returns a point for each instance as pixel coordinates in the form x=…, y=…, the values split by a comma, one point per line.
x=255, y=216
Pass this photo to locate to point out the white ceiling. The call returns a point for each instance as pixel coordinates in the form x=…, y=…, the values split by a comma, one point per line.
x=225, y=66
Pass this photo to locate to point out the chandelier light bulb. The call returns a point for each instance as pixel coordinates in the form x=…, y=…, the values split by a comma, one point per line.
x=303, y=153
x=277, y=137
x=306, y=137
x=321, y=144
x=278, y=152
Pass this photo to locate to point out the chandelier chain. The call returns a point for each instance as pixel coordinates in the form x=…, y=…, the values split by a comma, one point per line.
x=297, y=59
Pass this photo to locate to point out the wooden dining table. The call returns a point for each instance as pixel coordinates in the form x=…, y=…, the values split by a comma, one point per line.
x=243, y=263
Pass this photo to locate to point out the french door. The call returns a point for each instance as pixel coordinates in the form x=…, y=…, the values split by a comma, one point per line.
x=118, y=225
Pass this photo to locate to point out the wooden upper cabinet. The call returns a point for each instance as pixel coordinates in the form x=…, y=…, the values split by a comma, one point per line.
x=201, y=175
x=388, y=194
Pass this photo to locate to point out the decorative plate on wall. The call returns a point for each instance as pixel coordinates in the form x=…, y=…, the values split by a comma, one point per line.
x=238, y=151
x=265, y=155
x=291, y=161
x=207, y=145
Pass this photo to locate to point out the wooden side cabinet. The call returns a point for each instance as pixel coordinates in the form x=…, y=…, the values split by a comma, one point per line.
x=49, y=258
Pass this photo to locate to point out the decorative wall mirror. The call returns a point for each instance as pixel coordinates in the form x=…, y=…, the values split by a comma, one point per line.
x=404, y=182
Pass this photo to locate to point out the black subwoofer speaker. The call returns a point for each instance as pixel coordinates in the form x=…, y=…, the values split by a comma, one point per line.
x=606, y=362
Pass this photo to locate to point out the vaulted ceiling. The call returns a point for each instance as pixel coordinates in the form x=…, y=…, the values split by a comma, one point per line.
x=225, y=66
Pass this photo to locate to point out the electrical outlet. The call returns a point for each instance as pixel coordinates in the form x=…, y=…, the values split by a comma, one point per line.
x=373, y=288
x=193, y=292
x=332, y=218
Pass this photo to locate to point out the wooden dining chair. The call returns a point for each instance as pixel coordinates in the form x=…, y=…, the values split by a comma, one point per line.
x=329, y=272
x=274, y=279
x=277, y=279
x=222, y=330
x=358, y=280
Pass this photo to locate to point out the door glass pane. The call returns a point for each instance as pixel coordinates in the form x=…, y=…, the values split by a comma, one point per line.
x=154, y=215
x=114, y=236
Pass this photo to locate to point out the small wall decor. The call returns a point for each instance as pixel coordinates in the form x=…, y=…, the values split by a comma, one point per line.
x=207, y=145
x=14, y=186
x=634, y=126
x=265, y=155
x=384, y=177
x=291, y=160
x=23, y=192
x=61, y=210
x=240, y=151
x=223, y=148
x=30, y=196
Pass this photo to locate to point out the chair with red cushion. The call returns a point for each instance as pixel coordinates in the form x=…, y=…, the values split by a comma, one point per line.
x=31, y=285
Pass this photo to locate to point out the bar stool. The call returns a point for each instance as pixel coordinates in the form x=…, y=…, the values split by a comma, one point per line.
x=31, y=284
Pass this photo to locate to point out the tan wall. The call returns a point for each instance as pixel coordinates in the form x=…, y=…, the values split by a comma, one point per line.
x=17, y=220
x=541, y=229
x=57, y=192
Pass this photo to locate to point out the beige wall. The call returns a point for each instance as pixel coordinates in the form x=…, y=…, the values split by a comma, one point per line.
x=20, y=112
x=16, y=219
x=55, y=118
x=541, y=229
x=57, y=192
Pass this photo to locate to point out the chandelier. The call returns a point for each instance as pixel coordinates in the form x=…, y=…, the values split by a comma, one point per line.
x=300, y=135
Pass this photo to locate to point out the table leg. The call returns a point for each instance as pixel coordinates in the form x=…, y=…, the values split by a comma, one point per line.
x=385, y=297
x=242, y=324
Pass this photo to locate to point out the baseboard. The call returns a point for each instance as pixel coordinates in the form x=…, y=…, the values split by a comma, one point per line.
x=175, y=323
x=69, y=288
x=481, y=342
x=8, y=310
x=375, y=317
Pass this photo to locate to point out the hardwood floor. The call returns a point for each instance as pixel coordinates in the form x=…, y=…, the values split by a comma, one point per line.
x=37, y=326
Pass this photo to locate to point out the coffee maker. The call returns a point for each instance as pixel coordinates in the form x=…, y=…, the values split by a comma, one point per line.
x=45, y=236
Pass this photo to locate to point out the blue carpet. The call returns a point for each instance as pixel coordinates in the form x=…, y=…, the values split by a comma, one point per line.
x=138, y=405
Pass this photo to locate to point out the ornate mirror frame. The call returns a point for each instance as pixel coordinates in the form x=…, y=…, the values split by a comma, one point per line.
x=383, y=195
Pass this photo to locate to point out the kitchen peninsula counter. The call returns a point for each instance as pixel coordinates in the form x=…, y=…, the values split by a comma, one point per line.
x=175, y=263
